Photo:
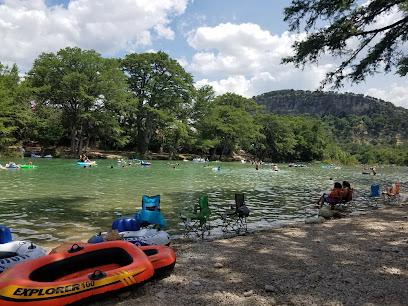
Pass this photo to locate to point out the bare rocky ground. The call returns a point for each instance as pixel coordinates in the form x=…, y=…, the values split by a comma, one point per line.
x=358, y=260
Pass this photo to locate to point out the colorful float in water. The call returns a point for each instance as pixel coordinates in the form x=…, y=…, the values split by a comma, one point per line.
x=69, y=276
x=12, y=166
x=143, y=163
x=14, y=252
x=86, y=163
x=28, y=166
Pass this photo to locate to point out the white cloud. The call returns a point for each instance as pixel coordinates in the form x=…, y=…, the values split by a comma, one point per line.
x=244, y=59
x=29, y=27
x=395, y=93
x=285, y=78
x=238, y=84
x=241, y=49
x=247, y=60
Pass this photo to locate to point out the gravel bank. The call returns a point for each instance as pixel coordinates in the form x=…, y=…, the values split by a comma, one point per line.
x=359, y=260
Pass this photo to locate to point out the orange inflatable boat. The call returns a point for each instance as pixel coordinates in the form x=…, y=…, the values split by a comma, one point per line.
x=162, y=257
x=71, y=275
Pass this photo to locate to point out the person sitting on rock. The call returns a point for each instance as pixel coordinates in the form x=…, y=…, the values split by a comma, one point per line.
x=334, y=197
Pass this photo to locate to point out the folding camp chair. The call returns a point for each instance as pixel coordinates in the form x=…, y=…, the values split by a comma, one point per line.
x=374, y=196
x=151, y=203
x=150, y=213
x=196, y=218
x=348, y=203
x=235, y=219
x=392, y=195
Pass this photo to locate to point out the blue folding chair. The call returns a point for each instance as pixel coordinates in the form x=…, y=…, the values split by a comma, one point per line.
x=151, y=203
x=374, y=196
x=150, y=213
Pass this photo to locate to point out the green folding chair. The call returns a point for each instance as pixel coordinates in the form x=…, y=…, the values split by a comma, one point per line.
x=196, y=219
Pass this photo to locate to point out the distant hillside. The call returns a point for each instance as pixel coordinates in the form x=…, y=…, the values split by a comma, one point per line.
x=297, y=102
x=351, y=117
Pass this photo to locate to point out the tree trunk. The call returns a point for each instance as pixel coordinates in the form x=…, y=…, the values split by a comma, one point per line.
x=147, y=135
x=81, y=141
x=212, y=153
x=73, y=135
x=87, y=143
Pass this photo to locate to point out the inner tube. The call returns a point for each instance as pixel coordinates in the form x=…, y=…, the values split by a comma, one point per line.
x=69, y=276
x=15, y=252
x=143, y=237
x=12, y=167
x=85, y=163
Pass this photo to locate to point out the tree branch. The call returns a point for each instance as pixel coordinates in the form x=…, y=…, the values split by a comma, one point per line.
x=384, y=28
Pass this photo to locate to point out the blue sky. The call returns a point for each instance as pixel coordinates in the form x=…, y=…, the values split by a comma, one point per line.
x=233, y=45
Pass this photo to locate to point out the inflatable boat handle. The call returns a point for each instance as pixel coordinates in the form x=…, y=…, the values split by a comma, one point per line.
x=98, y=274
x=75, y=249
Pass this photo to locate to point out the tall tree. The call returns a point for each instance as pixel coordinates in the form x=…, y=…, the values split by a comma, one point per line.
x=84, y=85
x=279, y=142
x=311, y=138
x=378, y=45
x=163, y=88
x=45, y=126
x=12, y=111
x=227, y=124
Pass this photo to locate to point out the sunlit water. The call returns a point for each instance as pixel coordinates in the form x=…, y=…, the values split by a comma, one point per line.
x=62, y=202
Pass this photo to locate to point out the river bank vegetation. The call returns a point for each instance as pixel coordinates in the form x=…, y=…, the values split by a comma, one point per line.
x=148, y=103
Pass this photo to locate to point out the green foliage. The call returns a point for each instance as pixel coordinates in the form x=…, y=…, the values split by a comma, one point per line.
x=80, y=95
x=45, y=126
x=228, y=124
x=164, y=89
x=13, y=110
x=378, y=45
x=85, y=86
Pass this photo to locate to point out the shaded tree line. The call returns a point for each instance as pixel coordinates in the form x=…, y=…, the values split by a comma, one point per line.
x=147, y=102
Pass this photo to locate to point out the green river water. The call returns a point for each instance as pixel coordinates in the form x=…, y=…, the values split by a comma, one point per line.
x=62, y=202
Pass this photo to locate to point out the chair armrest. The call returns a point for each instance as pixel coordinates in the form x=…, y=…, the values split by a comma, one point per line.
x=122, y=214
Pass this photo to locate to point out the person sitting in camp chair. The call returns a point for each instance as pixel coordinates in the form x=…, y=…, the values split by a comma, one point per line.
x=347, y=192
x=392, y=193
x=334, y=197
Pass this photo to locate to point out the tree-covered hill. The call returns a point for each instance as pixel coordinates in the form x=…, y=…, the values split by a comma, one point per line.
x=299, y=102
x=350, y=117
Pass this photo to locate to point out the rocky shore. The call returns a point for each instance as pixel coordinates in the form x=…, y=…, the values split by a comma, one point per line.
x=359, y=260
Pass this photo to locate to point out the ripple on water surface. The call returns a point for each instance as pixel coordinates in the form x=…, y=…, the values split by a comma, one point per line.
x=61, y=202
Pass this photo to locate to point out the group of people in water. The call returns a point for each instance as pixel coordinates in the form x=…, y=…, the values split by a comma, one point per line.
x=84, y=158
x=341, y=193
x=11, y=164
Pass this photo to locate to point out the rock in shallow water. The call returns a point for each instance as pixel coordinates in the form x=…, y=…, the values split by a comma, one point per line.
x=314, y=220
x=248, y=293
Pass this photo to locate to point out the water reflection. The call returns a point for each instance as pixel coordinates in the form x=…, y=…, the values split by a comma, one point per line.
x=60, y=201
